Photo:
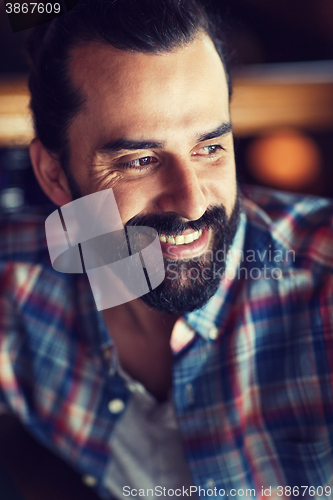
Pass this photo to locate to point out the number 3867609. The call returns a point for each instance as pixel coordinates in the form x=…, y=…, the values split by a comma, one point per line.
x=31, y=8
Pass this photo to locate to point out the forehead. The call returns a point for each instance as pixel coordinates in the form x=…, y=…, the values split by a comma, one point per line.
x=138, y=94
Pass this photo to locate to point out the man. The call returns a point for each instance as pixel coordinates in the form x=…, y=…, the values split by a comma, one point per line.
x=221, y=378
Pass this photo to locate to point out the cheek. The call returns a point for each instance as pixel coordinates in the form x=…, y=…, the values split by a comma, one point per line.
x=223, y=185
x=132, y=199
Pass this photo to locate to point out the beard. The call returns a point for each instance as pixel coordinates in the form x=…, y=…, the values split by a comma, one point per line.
x=190, y=283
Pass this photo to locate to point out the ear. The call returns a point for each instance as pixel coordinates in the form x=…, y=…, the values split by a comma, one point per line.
x=49, y=174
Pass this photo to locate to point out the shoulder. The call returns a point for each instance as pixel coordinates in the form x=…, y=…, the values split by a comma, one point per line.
x=26, y=273
x=22, y=239
x=300, y=223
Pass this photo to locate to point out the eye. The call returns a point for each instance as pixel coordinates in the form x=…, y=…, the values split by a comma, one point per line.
x=213, y=149
x=139, y=163
x=208, y=150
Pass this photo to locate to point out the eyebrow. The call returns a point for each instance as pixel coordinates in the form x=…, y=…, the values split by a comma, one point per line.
x=126, y=144
x=223, y=129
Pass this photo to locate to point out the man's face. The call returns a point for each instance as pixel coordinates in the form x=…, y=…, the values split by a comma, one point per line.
x=156, y=129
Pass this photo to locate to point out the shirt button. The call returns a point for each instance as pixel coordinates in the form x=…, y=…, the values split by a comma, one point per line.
x=89, y=480
x=116, y=406
x=213, y=333
x=210, y=483
x=107, y=354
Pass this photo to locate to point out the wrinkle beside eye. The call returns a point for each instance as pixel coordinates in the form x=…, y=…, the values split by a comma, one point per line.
x=106, y=179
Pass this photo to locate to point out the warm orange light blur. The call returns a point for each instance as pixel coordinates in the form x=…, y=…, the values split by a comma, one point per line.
x=285, y=159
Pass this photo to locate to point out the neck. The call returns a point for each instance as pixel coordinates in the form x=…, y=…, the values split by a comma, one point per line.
x=138, y=319
x=142, y=339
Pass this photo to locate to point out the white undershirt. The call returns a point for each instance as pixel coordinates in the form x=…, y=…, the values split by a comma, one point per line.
x=146, y=447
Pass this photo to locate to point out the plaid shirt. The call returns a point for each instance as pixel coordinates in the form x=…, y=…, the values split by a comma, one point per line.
x=252, y=373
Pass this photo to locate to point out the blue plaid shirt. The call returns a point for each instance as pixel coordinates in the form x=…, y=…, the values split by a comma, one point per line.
x=252, y=373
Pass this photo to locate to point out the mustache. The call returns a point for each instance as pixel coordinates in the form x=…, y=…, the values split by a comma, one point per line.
x=173, y=224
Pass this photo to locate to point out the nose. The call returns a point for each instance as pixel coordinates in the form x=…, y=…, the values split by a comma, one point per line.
x=183, y=192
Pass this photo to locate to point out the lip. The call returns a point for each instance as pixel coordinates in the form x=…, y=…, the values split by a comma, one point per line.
x=188, y=251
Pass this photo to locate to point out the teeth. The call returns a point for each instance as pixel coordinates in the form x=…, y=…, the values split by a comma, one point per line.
x=181, y=239
x=188, y=238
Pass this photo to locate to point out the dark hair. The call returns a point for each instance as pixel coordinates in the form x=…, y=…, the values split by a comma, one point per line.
x=151, y=26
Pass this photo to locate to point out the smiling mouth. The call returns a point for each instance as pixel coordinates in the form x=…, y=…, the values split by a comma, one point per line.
x=182, y=239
